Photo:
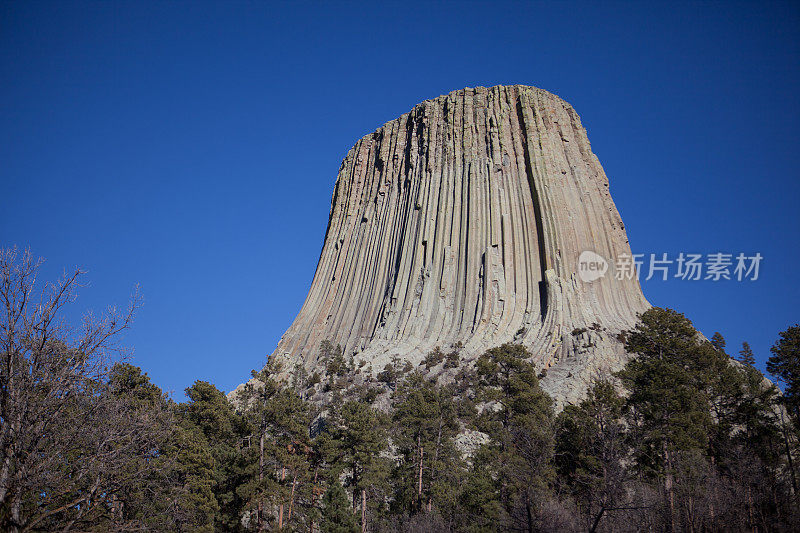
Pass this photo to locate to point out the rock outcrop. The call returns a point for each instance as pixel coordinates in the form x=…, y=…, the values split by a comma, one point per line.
x=463, y=221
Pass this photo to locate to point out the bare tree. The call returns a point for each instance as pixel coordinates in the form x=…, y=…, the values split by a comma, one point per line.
x=63, y=438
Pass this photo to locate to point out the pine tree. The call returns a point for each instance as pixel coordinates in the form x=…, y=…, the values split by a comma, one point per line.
x=333, y=357
x=337, y=516
x=352, y=444
x=433, y=358
x=393, y=373
x=749, y=444
x=718, y=341
x=746, y=356
x=182, y=465
x=480, y=497
x=521, y=430
x=425, y=423
x=698, y=423
x=591, y=450
x=211, y=413
x=669, y=397
x=784, y=364
x=279, y=450
x=187, y=462
x=128, y=381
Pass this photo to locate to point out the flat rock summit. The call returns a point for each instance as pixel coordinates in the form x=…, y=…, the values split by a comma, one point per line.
x=461, y=224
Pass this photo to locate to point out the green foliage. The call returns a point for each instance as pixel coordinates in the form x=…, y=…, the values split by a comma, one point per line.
x=128, y=381
x=704, y=434
x=183, y=467
x=190, y=465
x=668, y=384
x=688, y=416
x=694, y=417
x=452, y=359
x=433, y=358
x=353, y=445
x=746, y=356
x=590, y=437
x=519, y=421
x=591, y=451
x=332, y=354
x=424, y=426
x=479, y=497
x=223, y=429
x=685, y=440
x=784, y=364
x=337, y=516
x=718, y=341
x=393, y=372
x=300, y=379
x=278, y=454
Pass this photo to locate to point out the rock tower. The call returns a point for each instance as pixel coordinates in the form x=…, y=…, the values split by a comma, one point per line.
x=463, y=221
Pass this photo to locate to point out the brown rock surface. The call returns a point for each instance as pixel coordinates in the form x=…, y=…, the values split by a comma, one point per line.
x=462, y=221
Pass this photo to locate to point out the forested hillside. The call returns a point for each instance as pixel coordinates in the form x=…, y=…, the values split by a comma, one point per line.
x=688, y=437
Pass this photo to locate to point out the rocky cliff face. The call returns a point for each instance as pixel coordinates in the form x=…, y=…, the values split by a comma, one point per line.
x=462, y=221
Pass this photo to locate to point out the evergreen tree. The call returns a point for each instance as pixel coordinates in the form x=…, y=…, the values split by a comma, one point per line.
x=333, y=357
x=434, y=357
x=352, y=444
x=784, y=364
x=521, y=432
x=746, y=356
x=129, y=382
x=214, y=416
x=425, y=423
x=182, y=467
x=393, y=373
x=669, y=403
x=749, y=450
x=480, y=499
x=705, y=429
x=337, y=516
x=278, y=453
x=697, y=443
x=718, y=341
x=187, y=462
x=591, y=450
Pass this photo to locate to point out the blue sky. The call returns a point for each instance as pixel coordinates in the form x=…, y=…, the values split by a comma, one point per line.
x=192, y=147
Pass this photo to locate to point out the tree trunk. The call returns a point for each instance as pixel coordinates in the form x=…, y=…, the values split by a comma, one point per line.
x=5, y=473
x=529, y=512
x=363, y=511
x=260, y=518
x=711, y=510
x=291, y=499
x=788, y=454
x=280, y=509
x=8, y=434
x=419, y=486
x=597, y=520
x=668, y=489
x=16, y=504
x=313, y=498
